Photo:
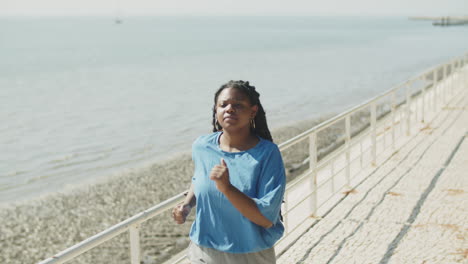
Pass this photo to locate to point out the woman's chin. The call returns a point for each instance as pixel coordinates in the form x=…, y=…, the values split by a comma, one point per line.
x=230, y=127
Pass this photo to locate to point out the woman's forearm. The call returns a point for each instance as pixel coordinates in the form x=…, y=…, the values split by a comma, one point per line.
x=246, y=207
x=190, y=198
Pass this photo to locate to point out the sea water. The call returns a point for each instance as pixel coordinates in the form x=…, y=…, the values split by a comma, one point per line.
x=83, y=98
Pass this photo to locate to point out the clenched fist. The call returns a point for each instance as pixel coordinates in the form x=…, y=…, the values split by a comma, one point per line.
x=180, y=213
x=220, y=175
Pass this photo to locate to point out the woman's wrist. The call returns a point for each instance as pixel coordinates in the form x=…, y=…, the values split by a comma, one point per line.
x=229, y=189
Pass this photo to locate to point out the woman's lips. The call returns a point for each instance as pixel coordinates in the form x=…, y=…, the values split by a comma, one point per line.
x=230, y=118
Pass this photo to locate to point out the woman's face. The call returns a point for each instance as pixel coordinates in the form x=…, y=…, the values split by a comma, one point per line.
x=233, y=109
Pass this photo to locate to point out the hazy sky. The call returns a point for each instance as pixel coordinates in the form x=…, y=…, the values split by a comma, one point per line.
x=236, y=7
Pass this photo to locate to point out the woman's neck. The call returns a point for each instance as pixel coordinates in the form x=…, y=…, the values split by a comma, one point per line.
x=239, y=141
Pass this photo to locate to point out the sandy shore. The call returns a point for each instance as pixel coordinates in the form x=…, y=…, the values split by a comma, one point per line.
x=35, y=230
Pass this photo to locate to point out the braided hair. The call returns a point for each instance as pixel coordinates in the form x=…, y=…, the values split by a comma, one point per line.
x=261, y=127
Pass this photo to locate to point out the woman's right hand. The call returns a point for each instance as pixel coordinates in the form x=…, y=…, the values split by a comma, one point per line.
x=180, y=213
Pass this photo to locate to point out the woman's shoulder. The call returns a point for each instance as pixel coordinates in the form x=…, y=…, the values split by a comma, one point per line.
x=265, y=149
x=206, y=139
x=268, y=144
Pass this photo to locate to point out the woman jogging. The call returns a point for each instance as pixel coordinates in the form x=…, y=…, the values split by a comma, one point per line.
x=238, y=184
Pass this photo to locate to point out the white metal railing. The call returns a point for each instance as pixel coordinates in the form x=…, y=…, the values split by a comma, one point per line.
x=363, y=148
x=419, y=105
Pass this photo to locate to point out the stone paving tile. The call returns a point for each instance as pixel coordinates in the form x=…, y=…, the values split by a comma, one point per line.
x=432, y=243
x=319, y=243
x=393, y=208
x=444, y=214
x=457, y=202
x=368, y=244
x=458, y=183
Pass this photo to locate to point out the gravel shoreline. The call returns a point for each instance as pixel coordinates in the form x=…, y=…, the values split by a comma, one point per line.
x=37, y=229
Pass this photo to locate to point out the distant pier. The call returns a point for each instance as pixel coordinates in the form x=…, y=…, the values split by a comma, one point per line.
x=445, y=20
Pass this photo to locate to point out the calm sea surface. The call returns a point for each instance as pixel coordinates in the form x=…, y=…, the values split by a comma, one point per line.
x=84, y=98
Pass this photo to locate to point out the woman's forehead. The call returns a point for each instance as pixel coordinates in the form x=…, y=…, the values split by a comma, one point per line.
x=232, y=94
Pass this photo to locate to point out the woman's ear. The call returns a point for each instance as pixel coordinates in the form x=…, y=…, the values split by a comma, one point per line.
x=254, y=109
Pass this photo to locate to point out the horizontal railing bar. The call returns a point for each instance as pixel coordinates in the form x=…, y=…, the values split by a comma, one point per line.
x=113, y=231
x=318, y=188
x=358, y=138
x=298, y=180
x=288, y=143
x=340, y=150
x=294, y=229
x=300, y=202
x=354, y=159
x=331, y=196
x=180, y=259
x=323, y=163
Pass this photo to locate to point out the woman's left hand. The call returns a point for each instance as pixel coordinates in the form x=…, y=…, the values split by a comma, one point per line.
x=220, y=175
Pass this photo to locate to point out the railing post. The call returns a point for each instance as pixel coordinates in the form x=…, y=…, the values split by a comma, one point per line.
x=348, y=149
x=464, y=70
x=313, y=169
x=135, y=252
x=384, y=134
x=393, y=109
x=449, y=74
x=457, y=71
x=462, y=74
x=416, y=107
x=374, y=132
x=423, y=102
x=444, y=86
x=408, y=109
x=402, y=113
x=361, y=158
x=465, y=78
x=452, y=75
x=434, y=89
x=455, y=79
x=332, y=172
x=286, y=214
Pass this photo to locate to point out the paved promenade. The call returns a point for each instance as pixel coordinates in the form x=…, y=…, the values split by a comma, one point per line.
x=411, y=209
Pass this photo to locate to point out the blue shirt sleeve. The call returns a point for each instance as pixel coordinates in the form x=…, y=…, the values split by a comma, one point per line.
x=271, y=186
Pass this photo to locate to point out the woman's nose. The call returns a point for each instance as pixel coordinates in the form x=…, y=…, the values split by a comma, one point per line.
x=229, y=108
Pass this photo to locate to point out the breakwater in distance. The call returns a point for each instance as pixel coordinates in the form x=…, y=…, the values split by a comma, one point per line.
x=445, y=20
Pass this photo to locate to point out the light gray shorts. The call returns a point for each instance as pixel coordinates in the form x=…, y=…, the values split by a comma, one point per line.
x=202, y=255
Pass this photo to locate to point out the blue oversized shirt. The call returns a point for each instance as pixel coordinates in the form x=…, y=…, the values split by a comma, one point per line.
x=258, y=173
